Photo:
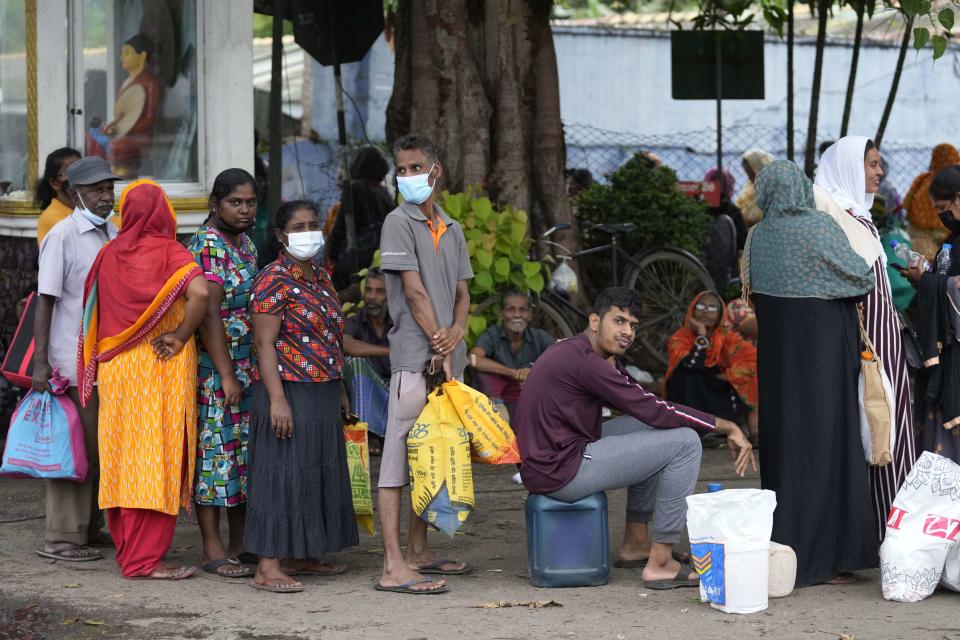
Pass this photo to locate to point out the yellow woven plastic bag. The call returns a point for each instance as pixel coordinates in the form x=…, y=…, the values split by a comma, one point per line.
x=358, y=465
x=492, y=441
x=441, y=478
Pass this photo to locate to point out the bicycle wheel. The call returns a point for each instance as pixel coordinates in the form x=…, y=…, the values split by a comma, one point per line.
x=547, y=315
x=666, y=280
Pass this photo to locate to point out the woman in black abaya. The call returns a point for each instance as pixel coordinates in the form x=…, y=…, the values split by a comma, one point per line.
x=804, y=281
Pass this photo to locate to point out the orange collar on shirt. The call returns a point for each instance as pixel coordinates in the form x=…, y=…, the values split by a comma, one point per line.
x=437, y=232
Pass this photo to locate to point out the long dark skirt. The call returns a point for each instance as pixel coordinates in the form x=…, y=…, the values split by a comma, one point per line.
x=811, y=454
x=703, y=389
x=299, y=500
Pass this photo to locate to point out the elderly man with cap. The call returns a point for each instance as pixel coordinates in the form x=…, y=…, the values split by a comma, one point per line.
x=66, y=254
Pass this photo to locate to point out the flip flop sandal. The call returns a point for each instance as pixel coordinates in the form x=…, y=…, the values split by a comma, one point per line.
x=680, y=580
x=641, y=563
x=180, y=574
x=277, y=588
x=842, y=579
x=213, y=567
x=311, y=572
x=433, y=569
x=60, y=554
x=406, y=587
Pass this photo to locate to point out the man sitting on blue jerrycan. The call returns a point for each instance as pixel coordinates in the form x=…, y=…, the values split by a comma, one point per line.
x=653, y=448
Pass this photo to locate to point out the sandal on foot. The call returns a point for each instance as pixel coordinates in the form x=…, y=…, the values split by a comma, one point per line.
x=277, y=588
x=77, y=553
x=407, y=587
x=180, y=573
x=678, y=581
x=642, y=562
x=237, y=570
x=434, y=568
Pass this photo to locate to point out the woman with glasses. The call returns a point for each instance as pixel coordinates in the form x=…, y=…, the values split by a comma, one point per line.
x=711, y=366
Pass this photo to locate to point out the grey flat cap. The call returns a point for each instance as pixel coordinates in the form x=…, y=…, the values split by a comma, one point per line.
x=90, y=170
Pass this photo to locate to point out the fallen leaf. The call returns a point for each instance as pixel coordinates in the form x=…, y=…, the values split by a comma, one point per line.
x=93, y=623
x=694, y=600
x=70, y=620
x=72, y=585
x=531, y=604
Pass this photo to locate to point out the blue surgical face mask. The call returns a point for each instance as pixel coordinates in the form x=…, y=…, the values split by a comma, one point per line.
x=91, y=216
x=416, y=189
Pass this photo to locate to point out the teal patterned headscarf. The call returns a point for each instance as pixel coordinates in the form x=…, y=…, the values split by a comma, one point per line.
x=796, y=251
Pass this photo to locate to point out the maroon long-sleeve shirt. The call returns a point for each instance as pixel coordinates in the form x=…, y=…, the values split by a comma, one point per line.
x=558, y=413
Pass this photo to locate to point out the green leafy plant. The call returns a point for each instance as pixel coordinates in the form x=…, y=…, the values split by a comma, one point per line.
x=647, y=196
x=499, y=246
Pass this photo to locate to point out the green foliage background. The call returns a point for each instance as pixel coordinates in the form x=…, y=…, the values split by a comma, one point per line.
x=647, y=196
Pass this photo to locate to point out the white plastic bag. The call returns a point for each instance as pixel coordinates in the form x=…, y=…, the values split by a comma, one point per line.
x=951, y=570
x=922, y=528
x=564, y=279
x=730, y=545
x=865, y=436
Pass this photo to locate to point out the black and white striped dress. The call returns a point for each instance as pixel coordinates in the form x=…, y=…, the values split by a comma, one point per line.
x=883, y=327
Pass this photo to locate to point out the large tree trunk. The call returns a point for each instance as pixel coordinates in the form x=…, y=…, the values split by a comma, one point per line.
x=854, y=62
x=809, y=158
x=479, y=77
x=907, y=30
x=790, y=123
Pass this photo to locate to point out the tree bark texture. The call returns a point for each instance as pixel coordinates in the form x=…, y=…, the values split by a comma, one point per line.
x=854, y=62
x=479, y=78
x=809, y=158
x=790, y=123
x=904, y=45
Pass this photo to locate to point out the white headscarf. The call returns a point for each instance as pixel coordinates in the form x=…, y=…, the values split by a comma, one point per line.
x=758, y=159
x=841, y=174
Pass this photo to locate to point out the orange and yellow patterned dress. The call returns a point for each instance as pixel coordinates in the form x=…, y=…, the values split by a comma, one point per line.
x=148, y=422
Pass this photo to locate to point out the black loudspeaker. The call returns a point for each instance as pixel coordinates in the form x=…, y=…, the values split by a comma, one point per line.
x=693, y=56
x=331, y=30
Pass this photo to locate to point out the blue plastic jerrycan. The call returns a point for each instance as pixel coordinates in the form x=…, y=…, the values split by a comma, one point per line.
x=567, y=542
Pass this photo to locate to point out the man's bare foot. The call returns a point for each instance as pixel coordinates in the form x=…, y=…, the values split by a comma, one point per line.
x=633, y=552
x=667, y=571
x=402, y=574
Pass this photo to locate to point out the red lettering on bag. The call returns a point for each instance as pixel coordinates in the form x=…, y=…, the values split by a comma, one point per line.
x=895, y=517
x=941, y=527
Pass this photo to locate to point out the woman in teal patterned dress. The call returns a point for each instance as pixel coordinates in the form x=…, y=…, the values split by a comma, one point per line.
x=229, y=261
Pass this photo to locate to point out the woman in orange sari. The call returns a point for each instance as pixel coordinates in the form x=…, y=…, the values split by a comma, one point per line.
x=143, y=301
x=711, y=366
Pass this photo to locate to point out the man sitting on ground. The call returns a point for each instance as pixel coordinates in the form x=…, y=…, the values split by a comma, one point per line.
x=654, y=448
x=366, y=371
x=505, y=352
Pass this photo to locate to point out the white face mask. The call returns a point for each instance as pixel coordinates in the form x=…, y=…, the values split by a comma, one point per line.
x=304, y=245
x=90, y=215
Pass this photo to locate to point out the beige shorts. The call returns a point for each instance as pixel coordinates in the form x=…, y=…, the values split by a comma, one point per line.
x=408, y=397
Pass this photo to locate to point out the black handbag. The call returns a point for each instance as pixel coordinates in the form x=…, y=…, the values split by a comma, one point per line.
x=911, y=344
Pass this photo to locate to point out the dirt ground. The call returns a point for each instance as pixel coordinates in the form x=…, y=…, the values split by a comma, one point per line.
x=41, y=599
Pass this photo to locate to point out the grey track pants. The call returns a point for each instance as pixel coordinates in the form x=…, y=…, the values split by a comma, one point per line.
x=632, y=454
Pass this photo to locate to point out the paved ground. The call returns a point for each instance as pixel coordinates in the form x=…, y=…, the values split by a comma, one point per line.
x=41, y=599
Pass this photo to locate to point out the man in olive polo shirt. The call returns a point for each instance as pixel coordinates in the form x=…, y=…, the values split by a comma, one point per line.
x=427, y=266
